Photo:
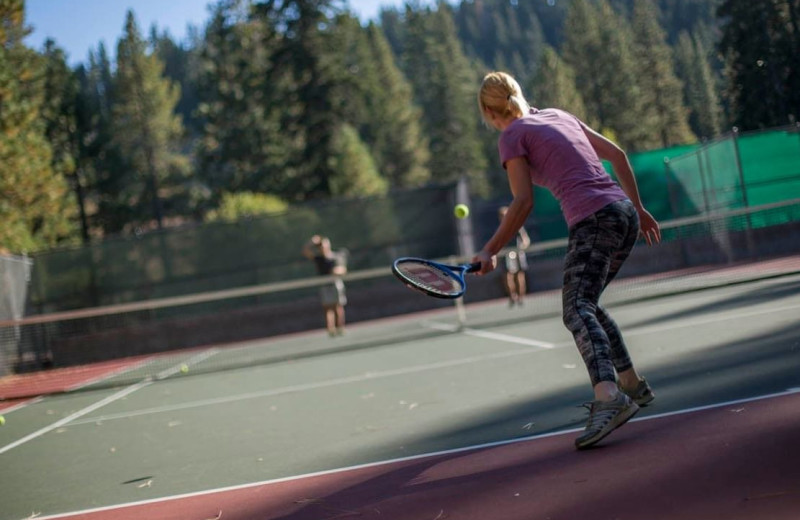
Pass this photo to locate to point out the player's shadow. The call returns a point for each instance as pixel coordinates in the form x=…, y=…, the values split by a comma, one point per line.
x=531, y=480
x=414, y=491
x=769, y=293
x=756, y=365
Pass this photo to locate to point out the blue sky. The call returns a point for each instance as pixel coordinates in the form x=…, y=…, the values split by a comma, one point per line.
x=79, y=25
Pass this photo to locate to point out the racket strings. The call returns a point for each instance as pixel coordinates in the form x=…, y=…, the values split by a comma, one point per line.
x=430, y=278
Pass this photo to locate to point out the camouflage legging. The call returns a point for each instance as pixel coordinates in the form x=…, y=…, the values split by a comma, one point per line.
x=598, y=246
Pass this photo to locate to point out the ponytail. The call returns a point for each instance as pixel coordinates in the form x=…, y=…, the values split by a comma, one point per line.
x=501, y=94
x=517, y=105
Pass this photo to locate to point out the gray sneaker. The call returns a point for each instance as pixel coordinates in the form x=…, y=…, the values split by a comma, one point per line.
x=605, y=417
x=642, y=394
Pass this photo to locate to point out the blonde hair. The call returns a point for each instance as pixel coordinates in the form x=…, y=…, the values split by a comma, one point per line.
x=501, y=94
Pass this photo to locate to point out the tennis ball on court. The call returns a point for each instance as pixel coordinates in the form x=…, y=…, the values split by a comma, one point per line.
x=2, y=420
x=461, y=211
x=184, y=368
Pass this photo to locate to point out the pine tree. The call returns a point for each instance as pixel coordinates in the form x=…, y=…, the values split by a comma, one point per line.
x=180, y=66
x=502, y=35
x=789, y=51
x=245, y=105
x=59, y=113
x=308, y=53
x=554, y=85
x=598, y=46
x=35, y=207
x=359, y=81
x=700, y=95
x=396, y=139
x=469, y=20
x=393, y=26
x=147, y=132
x=354, y=171
x=661, y=90
x=58, y=108
x=98, y=160
x=694, y=16
x=446, y=87
x=760, y=44
x=551, y=16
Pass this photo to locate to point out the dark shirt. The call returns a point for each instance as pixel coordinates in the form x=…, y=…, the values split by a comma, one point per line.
x=324, y=265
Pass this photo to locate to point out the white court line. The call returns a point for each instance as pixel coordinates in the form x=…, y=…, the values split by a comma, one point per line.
x=114, y=373
x=166, y=373
x=21, y=405
x=402, y=459
x=202, y=356
x=488, y=335
x=79, y=386
x=304, y=387
x=686, y=323
x=110, y=399
x=409, y=370
x=79, y=413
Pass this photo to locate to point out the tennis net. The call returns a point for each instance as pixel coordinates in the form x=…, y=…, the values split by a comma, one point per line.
x=235, y=328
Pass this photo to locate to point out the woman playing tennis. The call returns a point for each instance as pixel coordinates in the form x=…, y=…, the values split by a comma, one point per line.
x=554, y=149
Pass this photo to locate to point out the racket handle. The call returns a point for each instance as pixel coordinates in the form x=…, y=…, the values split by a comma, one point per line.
x=474, y=267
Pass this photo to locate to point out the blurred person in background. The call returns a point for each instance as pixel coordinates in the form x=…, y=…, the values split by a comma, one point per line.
x=328, y=262
x=515, y=265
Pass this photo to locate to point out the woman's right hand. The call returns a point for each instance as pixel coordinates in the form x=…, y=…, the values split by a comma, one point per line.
x=488, y=262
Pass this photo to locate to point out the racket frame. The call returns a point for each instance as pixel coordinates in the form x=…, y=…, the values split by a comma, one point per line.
x=453, y=272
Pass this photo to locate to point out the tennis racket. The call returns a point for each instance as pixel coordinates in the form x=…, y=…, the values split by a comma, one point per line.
x=433, y=278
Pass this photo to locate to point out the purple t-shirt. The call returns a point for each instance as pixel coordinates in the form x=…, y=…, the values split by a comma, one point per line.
x=562, y=160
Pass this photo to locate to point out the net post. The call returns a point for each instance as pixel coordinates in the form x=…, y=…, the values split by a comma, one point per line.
x=461, y=313
x=458, y=303
x=466, y=242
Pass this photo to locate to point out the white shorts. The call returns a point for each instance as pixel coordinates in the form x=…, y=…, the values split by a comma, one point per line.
x=516, y=261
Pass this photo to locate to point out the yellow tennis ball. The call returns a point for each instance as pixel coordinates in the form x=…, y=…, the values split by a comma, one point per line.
x=461, y=211
x=2, y=420
x=184, y=368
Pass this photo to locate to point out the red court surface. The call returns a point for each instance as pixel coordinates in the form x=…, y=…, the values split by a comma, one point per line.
x=18, y=388
x=735, y=461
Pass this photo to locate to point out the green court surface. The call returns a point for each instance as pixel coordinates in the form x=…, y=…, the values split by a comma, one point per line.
x=324, y=403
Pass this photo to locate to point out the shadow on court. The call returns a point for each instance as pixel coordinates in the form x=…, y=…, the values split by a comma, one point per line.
x=759, y=365
x=722, y=463
x=734, y=462
x=738, y=461
x=769, y=294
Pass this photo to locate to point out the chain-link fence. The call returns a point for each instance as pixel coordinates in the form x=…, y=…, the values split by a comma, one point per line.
x=735, y=171
x=15, y=274
x=251, y=251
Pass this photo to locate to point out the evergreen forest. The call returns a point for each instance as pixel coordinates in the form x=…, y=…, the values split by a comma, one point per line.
x=272, y=103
